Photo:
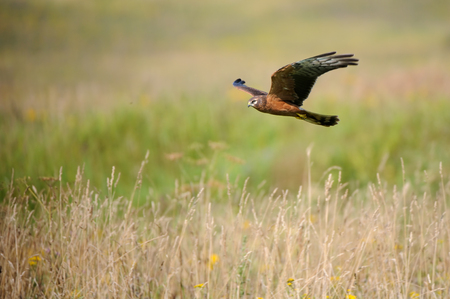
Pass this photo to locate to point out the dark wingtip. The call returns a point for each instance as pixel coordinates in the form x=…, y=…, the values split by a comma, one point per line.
x=238, y=82
x=343, y=56
x=325, y=54
x=344, y=60
x=347, y=62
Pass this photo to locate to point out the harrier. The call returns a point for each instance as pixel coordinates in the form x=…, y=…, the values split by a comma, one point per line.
x=292, y=84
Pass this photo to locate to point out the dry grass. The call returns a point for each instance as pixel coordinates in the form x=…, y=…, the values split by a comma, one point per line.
x=379, y=241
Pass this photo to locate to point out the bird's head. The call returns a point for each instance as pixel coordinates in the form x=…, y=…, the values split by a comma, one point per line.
x=255, y=102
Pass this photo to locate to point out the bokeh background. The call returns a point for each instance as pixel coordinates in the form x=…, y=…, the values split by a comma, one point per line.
x=97, y=84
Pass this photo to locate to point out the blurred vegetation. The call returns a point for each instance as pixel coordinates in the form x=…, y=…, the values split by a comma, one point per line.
x=96, y=84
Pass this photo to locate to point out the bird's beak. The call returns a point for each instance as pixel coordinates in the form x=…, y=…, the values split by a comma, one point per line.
x=248, y=106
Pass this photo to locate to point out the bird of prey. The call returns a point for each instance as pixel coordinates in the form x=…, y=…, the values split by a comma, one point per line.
x=292, y=84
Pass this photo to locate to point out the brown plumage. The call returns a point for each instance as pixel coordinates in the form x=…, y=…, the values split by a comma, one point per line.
x=292, y=84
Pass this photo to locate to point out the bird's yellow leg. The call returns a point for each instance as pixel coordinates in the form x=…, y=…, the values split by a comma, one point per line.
x=301, y=116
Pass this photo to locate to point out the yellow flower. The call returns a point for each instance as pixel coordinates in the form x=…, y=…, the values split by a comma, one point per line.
x=398, y=247
x=349, y=295
x=30, y=115
x=199, y=286
x=414, y=295
x=213, y=259
x=290, y=281
x=32, y=261
x=247, y=224
x=335, y=278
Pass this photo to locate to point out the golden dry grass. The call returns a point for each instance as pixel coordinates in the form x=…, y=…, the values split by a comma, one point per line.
x=378, y=241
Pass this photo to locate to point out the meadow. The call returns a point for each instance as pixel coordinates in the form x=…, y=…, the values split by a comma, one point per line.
x=130, y=167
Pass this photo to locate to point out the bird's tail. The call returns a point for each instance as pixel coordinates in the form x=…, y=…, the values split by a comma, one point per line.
x=318, y=119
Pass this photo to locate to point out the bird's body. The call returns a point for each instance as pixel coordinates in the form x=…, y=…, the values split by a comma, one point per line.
x=292, y=84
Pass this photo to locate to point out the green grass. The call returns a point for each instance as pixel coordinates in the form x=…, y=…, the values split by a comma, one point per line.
x=368, y=140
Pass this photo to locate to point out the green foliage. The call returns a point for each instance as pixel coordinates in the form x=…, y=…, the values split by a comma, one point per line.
x=186, y=141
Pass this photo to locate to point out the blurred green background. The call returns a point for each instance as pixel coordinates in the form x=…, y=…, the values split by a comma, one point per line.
x=96, y=84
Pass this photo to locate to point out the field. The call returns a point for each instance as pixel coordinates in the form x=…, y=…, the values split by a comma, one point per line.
x=130, y=167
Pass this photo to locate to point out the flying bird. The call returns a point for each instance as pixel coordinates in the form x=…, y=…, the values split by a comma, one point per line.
x=292, y=84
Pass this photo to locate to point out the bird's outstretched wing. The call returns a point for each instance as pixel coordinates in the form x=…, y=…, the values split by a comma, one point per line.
x=240, y=84
x=294, y=82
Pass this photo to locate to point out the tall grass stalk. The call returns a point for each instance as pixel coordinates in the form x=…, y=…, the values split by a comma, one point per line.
x=378, y=241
